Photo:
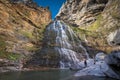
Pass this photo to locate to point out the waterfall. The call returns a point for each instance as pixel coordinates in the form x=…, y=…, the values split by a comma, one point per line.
x=62, y=48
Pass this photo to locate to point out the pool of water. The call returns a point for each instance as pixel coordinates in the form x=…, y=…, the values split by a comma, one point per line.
x=46, y=75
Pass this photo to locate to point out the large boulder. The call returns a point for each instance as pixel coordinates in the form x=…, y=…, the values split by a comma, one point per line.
x=113, y=58
x=100, y=69
x=105, y=66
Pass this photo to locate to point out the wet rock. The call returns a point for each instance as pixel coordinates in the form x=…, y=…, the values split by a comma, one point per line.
x=90, y=62
x=83, y=64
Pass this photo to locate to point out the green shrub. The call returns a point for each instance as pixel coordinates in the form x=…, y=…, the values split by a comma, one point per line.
x=8, y=55
x=13, y=56
x=94, y=26
x=27, y=34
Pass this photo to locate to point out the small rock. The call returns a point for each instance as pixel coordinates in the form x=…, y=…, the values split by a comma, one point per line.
x=100, y=56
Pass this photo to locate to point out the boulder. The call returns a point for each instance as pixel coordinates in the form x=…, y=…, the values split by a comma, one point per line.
x=100, y=69
x=105, y=66
x=100, y=56
x=113, y=58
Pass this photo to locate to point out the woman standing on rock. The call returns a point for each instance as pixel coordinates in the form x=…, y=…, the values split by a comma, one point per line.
x=85, y=62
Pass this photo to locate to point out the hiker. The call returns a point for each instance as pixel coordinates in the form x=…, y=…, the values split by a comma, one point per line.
x=94, y=59
x=85, y=62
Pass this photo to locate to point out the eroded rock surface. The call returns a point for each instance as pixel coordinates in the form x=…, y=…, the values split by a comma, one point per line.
x=109, y=67
x=81, y=12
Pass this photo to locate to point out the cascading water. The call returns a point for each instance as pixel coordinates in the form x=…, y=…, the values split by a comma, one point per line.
x=62, y=48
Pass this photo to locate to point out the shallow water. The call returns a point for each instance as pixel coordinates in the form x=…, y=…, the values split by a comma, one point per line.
x=46, y=75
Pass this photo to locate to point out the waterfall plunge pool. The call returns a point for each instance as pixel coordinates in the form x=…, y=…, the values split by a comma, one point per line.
x=46, y=75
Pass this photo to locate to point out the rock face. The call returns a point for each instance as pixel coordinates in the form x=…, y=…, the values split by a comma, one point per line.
x=103, y=68
x=81, y=12
x=29, y=3
x=93, y=21
x=62, y=48
x=114, y=38
x=21, y=29
x=21, y=1
x=9, y=65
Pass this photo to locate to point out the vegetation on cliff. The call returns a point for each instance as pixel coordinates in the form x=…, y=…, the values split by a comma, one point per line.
x=21, y=28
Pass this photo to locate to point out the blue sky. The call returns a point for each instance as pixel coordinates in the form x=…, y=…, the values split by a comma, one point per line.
x=54, y=5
